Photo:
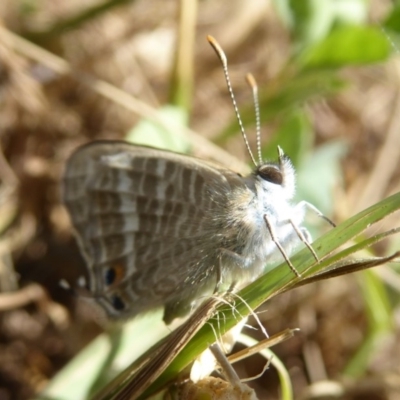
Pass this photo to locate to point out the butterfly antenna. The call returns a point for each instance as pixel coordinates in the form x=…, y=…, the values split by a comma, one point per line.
x=254, y=88
x=221, y=55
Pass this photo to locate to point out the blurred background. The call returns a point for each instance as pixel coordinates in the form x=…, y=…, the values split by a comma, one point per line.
x=328, y=74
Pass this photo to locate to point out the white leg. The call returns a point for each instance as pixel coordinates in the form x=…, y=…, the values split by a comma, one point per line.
x=279, y=246
x=305, y=237
x=303, y=205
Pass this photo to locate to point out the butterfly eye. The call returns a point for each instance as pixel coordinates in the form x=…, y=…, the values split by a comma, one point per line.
x=271, y=173
x=117, y=303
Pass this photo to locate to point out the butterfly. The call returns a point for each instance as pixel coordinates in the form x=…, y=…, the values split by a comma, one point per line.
x=158, y=228
x=161, y=229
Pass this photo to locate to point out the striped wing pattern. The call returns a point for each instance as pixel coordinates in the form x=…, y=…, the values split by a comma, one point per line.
x=145, y=223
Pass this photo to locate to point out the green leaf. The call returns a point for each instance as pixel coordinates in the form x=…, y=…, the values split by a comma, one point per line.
x=380, y=320
x=392, y=22
x=149, y=133
x=348, y=45
x=284, y=95
x=318, y=175
x=311, y=21
x=295, y=136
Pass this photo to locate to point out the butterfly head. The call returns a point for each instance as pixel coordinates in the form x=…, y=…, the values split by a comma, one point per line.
x=278, y=175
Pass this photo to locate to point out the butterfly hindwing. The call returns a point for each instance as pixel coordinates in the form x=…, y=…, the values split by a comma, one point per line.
x=142, y=221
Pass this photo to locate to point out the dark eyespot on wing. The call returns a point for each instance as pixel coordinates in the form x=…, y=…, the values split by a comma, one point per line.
x=116, y=272
x=117, y=303
x=110, y=276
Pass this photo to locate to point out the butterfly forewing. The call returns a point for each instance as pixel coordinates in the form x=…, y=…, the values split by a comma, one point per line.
x=145, y=221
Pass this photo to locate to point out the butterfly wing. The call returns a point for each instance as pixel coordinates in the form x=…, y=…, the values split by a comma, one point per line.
x=144, y=222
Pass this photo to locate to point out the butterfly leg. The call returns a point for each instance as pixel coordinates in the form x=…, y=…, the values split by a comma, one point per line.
x=279, y=246
x=305, y=237
x=230, y=258
x=303, y=205
x=302, y=233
